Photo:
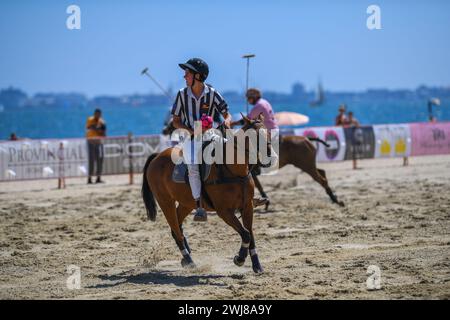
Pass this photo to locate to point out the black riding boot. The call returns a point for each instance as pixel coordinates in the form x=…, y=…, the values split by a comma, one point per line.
x=200, y=213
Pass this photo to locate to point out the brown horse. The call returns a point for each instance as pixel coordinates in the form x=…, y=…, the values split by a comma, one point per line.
x=301, y=153
x=228, y=188
x=295, y=150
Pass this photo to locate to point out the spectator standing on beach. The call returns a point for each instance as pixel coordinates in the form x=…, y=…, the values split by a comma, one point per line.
x=357, y=136
x=341, y=119
x=351, y=120
x=95, y=131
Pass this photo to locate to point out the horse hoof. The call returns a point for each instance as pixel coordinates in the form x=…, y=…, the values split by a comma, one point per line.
x=258, y=269
x=341, y=203
x=238, y=261
x=189, y=264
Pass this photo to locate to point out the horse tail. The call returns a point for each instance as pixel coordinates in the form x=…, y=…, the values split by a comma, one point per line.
x=146, y=192
x=319, y=140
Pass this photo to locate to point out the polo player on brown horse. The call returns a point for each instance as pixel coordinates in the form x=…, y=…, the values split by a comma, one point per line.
x=229, y=186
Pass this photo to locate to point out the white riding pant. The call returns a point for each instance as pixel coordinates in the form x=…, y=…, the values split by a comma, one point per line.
x=191, y=158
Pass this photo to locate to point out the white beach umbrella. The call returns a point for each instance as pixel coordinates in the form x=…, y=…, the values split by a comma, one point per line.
x=290, y=118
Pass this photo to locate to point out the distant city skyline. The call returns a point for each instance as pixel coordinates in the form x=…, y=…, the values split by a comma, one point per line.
x=294, y=41
x=12, y=98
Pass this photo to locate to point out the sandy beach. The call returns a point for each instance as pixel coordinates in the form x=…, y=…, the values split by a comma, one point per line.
x=396, y=218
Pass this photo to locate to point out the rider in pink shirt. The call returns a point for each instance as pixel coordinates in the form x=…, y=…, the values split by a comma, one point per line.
x=261, y=106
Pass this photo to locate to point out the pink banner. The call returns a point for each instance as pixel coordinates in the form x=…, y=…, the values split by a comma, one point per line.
x=430, y=138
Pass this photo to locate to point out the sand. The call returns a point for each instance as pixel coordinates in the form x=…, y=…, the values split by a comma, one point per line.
x=396, y=218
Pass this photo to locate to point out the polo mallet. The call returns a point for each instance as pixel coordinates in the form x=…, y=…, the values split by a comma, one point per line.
x=247, y=56
x=145, y=71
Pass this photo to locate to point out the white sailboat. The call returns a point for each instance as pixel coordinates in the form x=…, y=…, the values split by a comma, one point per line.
x=320, y=96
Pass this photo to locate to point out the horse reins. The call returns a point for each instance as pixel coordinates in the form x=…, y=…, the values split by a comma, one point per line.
x=235, y=179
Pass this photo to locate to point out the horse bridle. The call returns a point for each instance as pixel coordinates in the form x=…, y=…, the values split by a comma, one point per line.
x=269, y=146
x=221, y=127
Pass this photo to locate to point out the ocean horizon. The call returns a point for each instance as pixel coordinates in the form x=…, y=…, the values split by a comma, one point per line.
x=54, y=122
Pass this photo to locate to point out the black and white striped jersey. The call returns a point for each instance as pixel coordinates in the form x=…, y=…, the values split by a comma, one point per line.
x=191, y=109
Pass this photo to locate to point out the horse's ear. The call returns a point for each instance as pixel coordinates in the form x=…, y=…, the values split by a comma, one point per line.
x=245, y=118
x=261, y=117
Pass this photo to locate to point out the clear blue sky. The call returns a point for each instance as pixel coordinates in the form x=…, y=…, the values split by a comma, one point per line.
x=292, y=40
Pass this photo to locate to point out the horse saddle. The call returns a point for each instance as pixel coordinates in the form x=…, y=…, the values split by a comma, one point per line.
x=180, y=172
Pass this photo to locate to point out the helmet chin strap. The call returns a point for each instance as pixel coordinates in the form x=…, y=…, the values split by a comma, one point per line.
x=193, y=80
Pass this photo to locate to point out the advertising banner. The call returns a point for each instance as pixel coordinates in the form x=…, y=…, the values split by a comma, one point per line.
x=392, y=140
x=430, y=138
x=334, y=136
x=40, y=159
x=360, y=142
x=119, y=152
x=53, y=158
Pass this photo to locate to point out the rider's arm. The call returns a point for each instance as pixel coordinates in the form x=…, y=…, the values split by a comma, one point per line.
x=237, y=123
x=227, y=119
x=222, y=107
x=176, y=115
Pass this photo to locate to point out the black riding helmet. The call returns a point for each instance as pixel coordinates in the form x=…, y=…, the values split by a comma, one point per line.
x=196, y=65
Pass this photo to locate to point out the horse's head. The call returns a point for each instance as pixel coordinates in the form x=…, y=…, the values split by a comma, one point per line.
x=261, y=133
x=168, y=129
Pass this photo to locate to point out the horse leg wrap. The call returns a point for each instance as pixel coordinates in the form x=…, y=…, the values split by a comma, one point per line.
x=257, y=268
x=187, y=260
x=332, y=195
x=239, y=260
x=186, y=244
x=243, y=251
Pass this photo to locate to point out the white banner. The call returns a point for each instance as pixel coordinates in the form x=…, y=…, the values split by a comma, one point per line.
x=119, y=151
x=334, y=136
x=392, y=140
x=40, y=159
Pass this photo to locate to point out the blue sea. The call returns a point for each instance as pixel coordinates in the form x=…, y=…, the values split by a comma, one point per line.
x=40, y=123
